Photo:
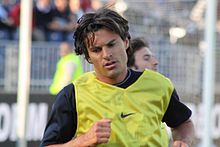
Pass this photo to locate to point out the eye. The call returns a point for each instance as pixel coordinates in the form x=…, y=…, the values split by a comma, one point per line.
x=96, y=49
x=111, y=44
x=147, y=57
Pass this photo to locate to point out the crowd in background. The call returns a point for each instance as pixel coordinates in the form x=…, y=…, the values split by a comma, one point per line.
x=53, y=20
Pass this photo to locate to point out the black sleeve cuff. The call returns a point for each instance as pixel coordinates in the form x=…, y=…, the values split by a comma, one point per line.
x=176, y=112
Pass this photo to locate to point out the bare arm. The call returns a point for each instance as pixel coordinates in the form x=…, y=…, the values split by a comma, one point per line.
x=183, y=135
x=99, y=133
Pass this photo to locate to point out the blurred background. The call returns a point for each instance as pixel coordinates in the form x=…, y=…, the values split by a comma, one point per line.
x=175, y=30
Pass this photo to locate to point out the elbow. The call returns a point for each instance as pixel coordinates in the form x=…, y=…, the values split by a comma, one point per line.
x=184, y=132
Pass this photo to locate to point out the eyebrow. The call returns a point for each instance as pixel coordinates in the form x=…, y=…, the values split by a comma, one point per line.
x=110, y=42
x=148, y=55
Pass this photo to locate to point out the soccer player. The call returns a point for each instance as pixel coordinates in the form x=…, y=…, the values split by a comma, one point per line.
x=113, y=105
x=69, y=68
x=140, y=56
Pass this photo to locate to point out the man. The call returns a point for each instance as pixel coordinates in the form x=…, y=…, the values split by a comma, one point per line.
x=113, y=105
x=140, y=58
x=68, y=68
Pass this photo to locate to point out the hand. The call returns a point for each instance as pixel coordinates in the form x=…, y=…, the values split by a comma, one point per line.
x=99, y=133
x=179, y=144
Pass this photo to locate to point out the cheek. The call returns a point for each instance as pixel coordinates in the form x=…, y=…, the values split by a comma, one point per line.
x=125, y=56
x=120, y=54
x=93, y=58
x=142, y=63
x=139, y=61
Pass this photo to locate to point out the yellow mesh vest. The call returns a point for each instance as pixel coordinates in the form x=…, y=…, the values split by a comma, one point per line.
x=136, y=112
x=60, y=72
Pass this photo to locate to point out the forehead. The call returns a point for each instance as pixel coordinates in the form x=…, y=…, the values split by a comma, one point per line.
x=101, y=37
x=143, y=51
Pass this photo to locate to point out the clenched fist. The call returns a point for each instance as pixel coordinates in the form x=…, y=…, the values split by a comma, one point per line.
x=99, y=133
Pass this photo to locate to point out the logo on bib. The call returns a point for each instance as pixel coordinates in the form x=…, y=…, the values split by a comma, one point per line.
x=123, y=115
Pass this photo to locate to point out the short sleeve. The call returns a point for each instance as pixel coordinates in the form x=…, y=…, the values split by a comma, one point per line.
x=176, y=112
x=61, y=126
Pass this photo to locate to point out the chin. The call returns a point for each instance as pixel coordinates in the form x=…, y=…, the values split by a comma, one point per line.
x=114, y=73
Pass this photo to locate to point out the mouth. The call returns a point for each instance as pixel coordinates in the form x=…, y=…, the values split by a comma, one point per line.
x=110, y=65
x=155, y=68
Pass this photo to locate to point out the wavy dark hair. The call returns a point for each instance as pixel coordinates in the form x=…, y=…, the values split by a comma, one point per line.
x=136, y=44
x=92, y=22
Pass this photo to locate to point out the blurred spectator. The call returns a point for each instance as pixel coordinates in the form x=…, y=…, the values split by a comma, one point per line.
x=14, y=14
x=68, y=68
x=6, y=23
x=61, y=26
x=95, y=5
x=85, y=5
x=43, y=15
x=75, y=13
x=91, y=5
x=75, y=9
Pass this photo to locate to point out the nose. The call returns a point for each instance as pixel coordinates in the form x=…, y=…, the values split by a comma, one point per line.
x=107, y=53
x=155, y=61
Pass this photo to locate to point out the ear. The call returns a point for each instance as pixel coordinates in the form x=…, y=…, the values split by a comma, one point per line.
x=127, y=43
x=89, y=60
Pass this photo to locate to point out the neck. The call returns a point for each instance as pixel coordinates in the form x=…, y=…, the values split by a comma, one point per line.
x=113, y=79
